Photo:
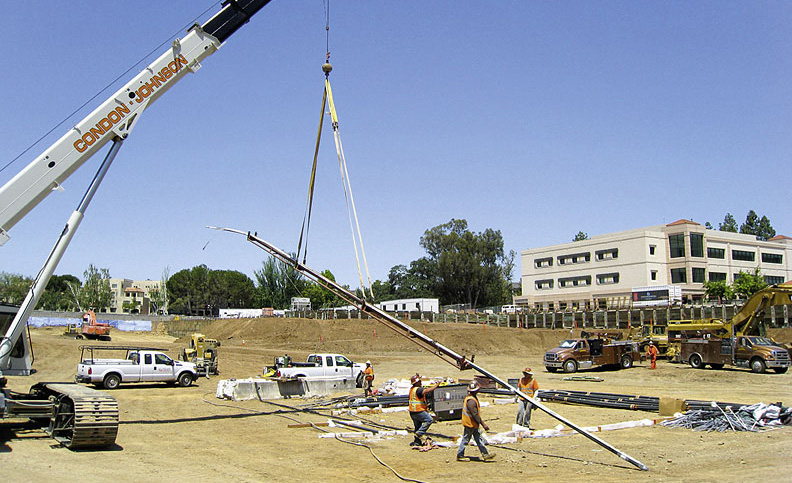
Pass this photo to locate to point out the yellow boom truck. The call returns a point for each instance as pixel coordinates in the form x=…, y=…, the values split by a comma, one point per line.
x=741, y=342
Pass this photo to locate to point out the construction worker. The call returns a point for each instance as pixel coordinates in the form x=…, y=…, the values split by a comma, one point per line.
x=419, y=409
x=368, y=379
x=528, y=385
x=651, y=354
x=471, y=420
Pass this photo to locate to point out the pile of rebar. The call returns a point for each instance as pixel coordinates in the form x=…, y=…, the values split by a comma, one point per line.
x=756, y=417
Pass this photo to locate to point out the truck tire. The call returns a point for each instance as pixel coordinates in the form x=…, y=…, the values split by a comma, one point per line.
x=626, y=361
x=570, y=365
x=359, y=380
x=111, y=381
x=758, y=365
x=780, y=370
x=696, y=362
x=185, y=379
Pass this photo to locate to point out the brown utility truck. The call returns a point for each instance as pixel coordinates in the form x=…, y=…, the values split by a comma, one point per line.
x=758, y=353
x=585, y=353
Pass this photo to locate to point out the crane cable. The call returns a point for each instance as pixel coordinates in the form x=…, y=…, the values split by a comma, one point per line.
x=327, y=100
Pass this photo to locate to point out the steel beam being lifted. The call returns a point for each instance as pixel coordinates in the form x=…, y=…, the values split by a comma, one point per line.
x=419, y=338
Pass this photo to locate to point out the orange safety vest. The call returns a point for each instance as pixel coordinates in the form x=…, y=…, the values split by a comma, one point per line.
x=417, y=404
x=467, y=418
x=651, y=352
x=529, y=388
x=369, y=372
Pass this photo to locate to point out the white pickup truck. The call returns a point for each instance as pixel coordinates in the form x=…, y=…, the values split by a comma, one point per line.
x=140, y=364
x=318, y=365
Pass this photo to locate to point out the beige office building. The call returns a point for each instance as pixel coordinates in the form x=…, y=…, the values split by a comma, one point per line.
x=133, y=296
x=602, y=271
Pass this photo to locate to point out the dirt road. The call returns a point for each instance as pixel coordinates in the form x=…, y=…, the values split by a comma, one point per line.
x=170, y=433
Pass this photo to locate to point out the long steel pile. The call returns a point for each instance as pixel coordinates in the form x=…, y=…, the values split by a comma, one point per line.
x=756, y=417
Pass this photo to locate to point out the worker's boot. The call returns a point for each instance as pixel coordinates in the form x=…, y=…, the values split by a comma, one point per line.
x=487, y=456
x=417, y=441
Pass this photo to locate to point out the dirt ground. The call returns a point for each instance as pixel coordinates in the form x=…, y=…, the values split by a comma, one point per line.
x=186, y=434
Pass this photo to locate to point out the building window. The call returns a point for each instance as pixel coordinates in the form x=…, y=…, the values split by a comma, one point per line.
x=698, y=275
x=677, y=245
x=743, y=255
x=717, y=276
x=652, y=249
x=608, y=254
x=607, y=278
x=770, y=280
x=544, y=284
x=574, y=281
x=697, y=245
x=678, y=275
x=653, y=273
x=543, y=262
x=716, y=252
x=772, y=258
x=574, y=258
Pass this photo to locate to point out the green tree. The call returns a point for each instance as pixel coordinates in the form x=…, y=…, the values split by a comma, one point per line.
x=729, y=224
x=751, y=225
x=277, y=283
x=413, y=282
x=766, y=230
x=94, y=293
x=229, y=288
x=708, y=225
x=747, y=284
x=130, y=306
x=466, y=267
x=14, y=287
x=159, y=296
x=719, y=289
x=57, y=295
x=580, y=236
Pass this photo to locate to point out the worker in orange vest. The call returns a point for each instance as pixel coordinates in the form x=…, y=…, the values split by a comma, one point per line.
x=368, y=379
x=419, y=409
x=471, y=420
x=651, y=354
x=527, y=385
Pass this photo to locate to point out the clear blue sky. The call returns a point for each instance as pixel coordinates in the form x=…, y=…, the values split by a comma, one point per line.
x=539, y=119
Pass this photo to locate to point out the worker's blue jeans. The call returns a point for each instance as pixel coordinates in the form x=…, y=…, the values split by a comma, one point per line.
x=476, y=434
x=422, y=420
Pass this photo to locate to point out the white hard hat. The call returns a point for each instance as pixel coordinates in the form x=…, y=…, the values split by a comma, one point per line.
x=368, y=362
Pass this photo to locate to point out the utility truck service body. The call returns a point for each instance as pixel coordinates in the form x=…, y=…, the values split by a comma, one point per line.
x=574, y=354
x=757, y=353
x=322, y=365
x=139, y=365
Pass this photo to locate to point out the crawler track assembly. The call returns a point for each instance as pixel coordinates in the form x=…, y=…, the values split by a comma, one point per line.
x=81, y=417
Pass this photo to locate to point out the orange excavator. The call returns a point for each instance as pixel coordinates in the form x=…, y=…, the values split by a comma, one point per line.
x=89, y=328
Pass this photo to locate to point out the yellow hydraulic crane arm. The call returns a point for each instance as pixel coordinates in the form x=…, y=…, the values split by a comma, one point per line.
x=749, y=318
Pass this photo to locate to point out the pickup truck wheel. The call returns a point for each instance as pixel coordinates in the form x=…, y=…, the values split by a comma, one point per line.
x=185, y=379
x=626, y=362
x=570, y=366
x=696, y=362
x=359, y=380
x=780, y=370
x=758, y=366
x=111, y=381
